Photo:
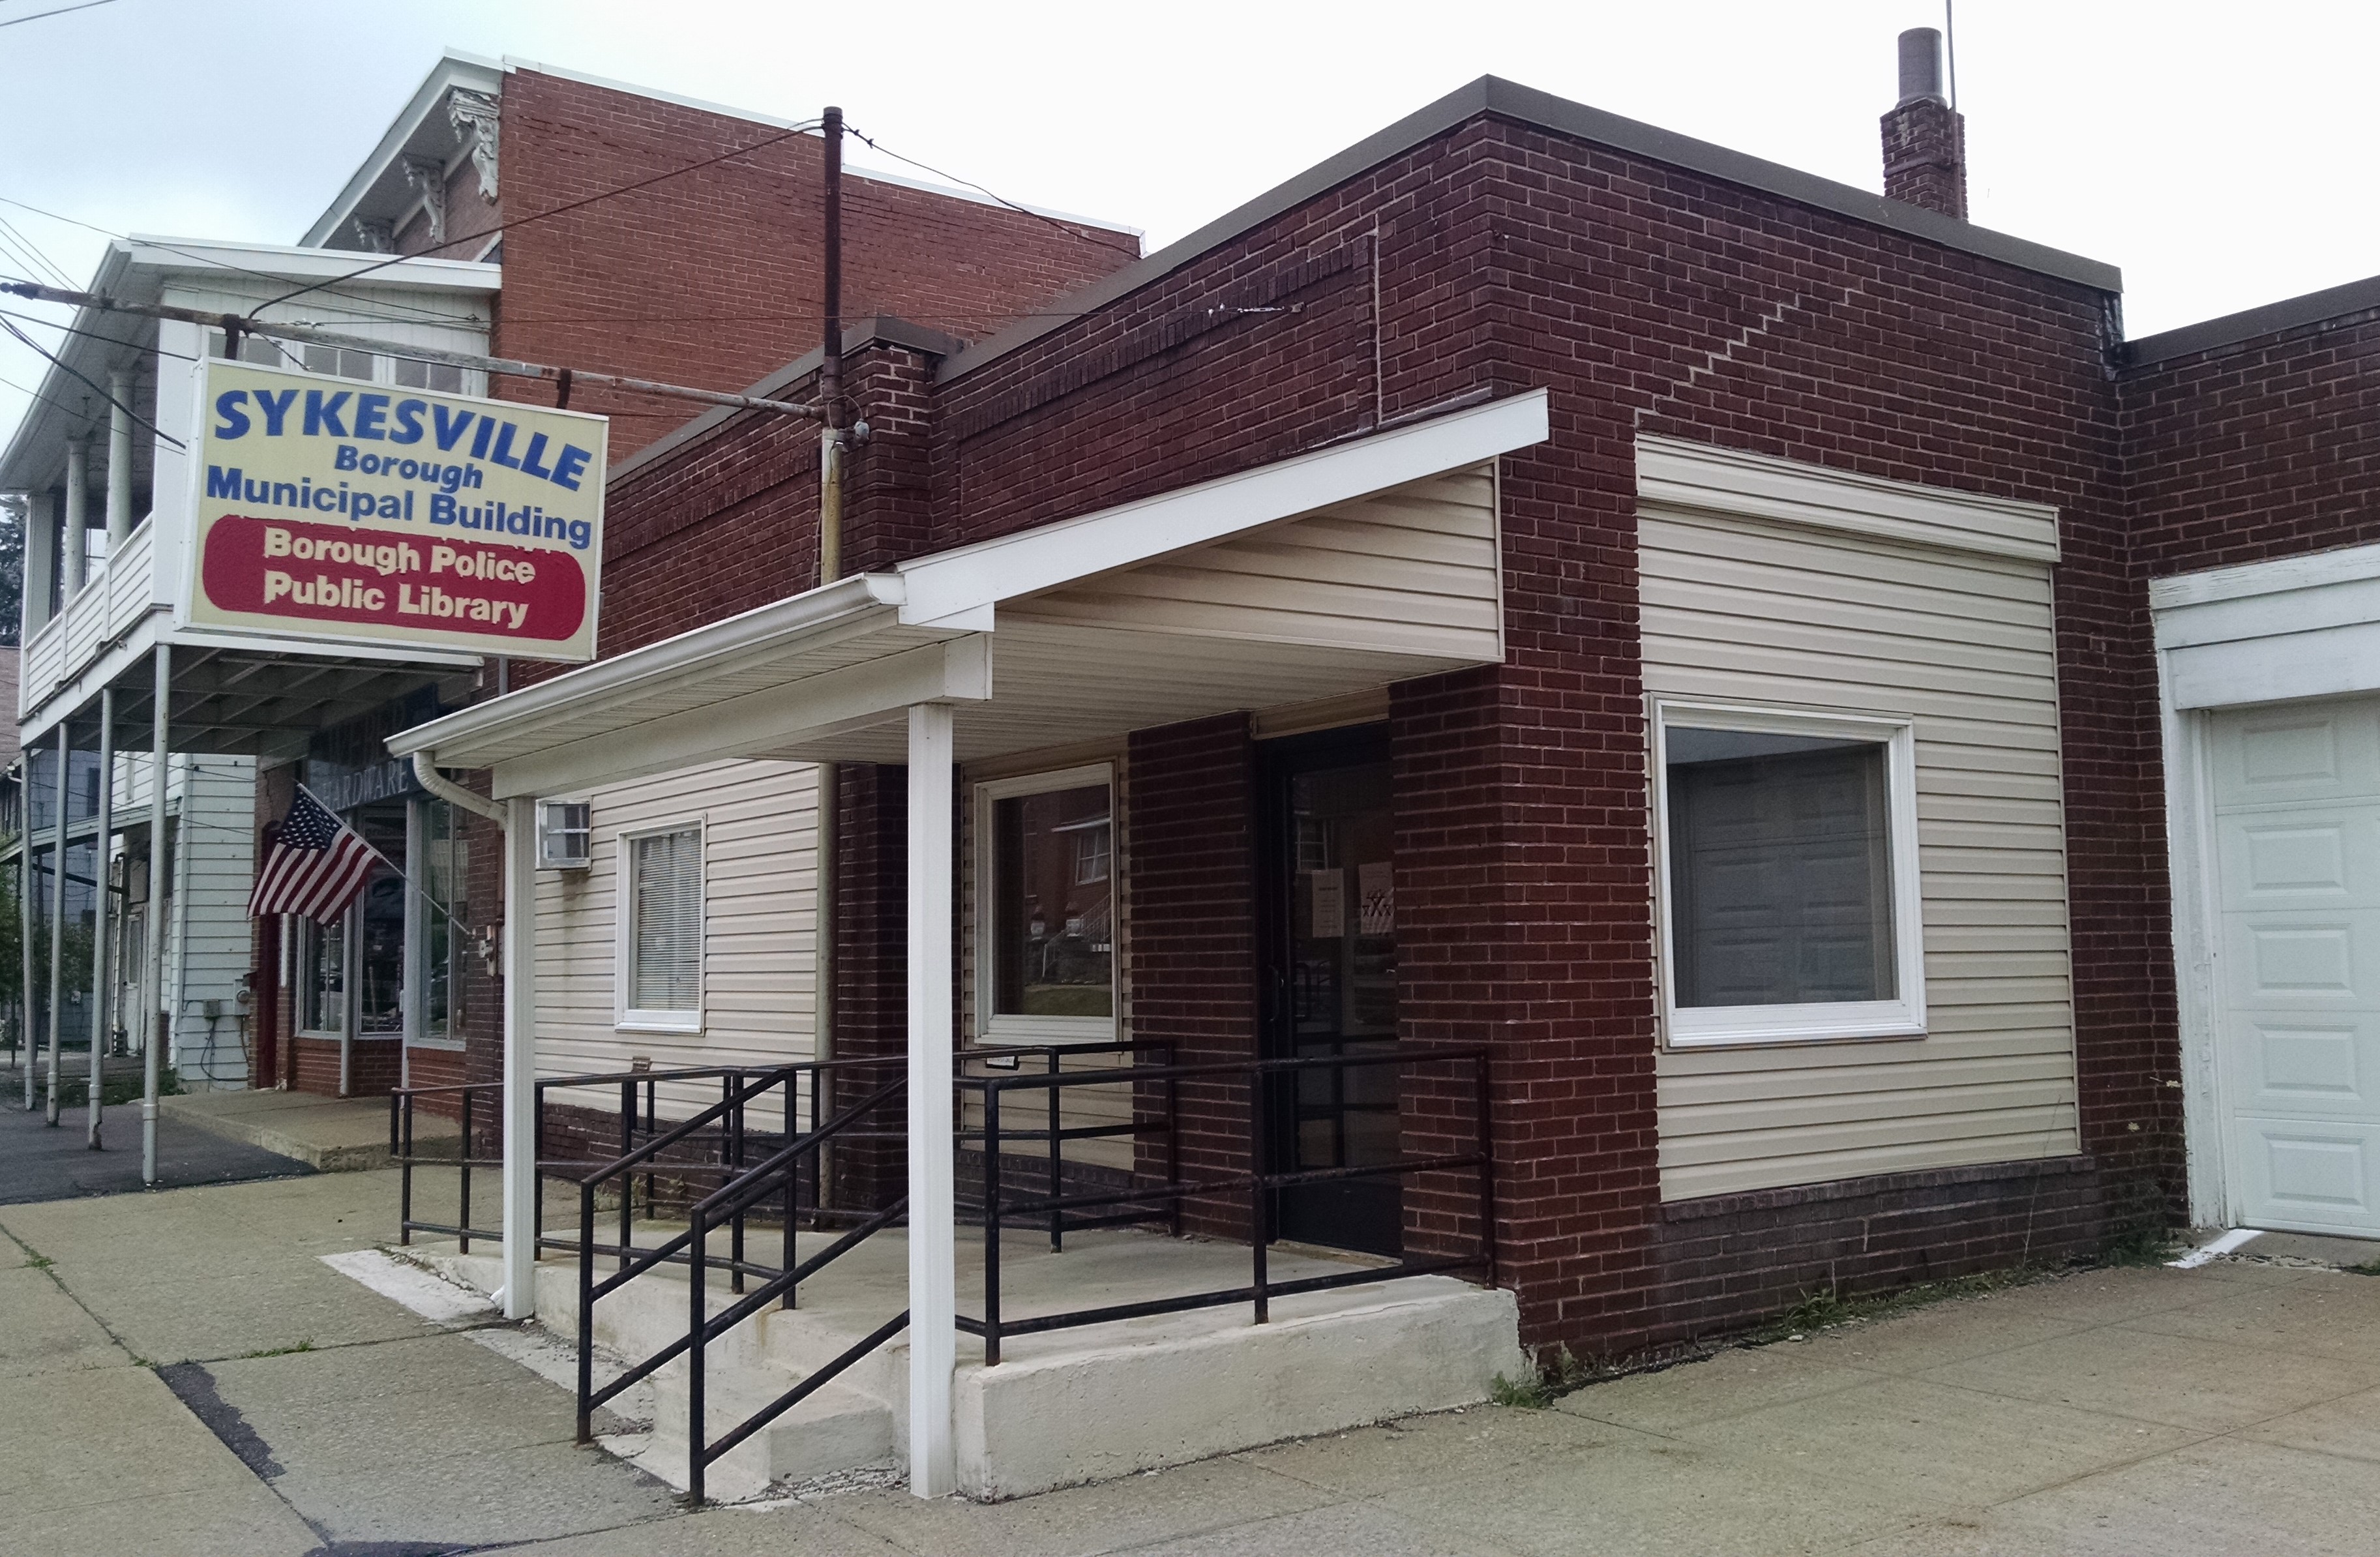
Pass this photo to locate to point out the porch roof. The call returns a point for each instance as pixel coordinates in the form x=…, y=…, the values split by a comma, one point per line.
x=1336, y=571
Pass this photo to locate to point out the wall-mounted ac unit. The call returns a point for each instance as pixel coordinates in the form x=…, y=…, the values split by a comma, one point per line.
x=562, y=834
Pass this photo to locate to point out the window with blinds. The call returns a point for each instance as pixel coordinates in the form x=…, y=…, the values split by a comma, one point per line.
x=663, y=932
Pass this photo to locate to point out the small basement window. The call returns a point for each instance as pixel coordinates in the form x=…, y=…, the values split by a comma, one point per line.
x=1790, y=905
x=1045, y=907
x=659, y=982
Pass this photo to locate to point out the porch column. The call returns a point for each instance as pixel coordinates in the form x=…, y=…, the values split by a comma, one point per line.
x=119, y=460
x=152, y=982
x=28, y=1042
x=933, y=1329
x=73, y=537
x=103, y=825
x=521, y=1059
x=57, y=916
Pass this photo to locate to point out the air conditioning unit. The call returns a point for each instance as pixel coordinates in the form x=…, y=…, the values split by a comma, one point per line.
x=562, y=834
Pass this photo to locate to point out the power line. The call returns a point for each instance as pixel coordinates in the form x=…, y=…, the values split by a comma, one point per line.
x=563, y=209
x=415, y=310
x=61, y=11
x=10, y=326
x=1081, y=231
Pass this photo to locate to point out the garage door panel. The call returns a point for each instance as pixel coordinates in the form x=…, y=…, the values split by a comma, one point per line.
x=2306, y=1069
x=2308, y=753
x=2326, y=856
x=2306, y=1174
x=2299, y=962
x=2296, y=841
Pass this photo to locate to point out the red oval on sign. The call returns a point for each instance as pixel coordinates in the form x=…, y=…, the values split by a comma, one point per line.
x=331, y=573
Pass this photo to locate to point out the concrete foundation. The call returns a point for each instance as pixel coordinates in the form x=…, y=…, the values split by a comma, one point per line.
x=1064, y=1407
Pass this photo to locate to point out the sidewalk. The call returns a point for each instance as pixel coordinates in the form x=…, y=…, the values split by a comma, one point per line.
x=329, y=1135
x=252, y=1399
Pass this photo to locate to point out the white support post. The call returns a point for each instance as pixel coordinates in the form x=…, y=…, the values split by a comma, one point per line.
x=119, y=460
x=521, y=1059
x=104, y=827
x=29, y=1044
x=74, y=540
x=57, y=914
x=152, y=983
x=933, y=1327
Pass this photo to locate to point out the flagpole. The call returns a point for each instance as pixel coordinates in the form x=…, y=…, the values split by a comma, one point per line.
x=417, y=890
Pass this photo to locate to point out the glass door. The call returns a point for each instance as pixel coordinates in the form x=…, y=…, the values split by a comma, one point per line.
x=1330, y=942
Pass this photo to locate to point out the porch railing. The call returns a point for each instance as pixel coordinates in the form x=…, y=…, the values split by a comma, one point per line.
x=781, y=1177
x=1268, y=1177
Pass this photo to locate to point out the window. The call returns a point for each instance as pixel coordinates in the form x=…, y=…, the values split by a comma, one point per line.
x=323, y=976
x=563, y=841
x=660, y=929
x=446, y=376
x=1789, y=903
x=338, y=361
x=1045, y=908
x=442, y=907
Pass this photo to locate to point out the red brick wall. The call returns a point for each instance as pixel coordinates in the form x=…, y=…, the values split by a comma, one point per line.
x=1646, y=299
x=2255, y=450
x=1190, y=857
x=711, y=278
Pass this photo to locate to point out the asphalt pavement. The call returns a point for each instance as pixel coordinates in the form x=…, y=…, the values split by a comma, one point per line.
x=40, y=1162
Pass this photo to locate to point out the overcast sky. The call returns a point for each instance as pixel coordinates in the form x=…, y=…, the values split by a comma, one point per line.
x=2220, y=154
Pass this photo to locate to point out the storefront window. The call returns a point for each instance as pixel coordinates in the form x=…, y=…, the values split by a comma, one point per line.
x=444, y=871
x=1047, y=907
x=323, y=975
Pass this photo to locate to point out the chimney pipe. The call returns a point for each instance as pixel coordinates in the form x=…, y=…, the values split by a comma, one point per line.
x=1921, y=66
x=1925, y=138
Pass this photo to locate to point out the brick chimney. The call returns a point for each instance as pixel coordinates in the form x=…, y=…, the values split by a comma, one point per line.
x=1925, y=138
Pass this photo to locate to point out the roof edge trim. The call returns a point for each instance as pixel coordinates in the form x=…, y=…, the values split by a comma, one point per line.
x=2266, y=319
x=1494, y=95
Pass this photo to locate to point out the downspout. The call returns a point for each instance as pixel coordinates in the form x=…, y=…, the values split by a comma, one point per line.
x=426, y=774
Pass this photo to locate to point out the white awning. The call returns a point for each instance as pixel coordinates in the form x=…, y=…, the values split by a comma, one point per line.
x=1341, y=570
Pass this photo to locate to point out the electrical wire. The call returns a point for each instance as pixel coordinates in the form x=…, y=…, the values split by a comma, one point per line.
x=414, y=312
x=10, y=325
x=61, y=11
x=561, y=210
x=1082, y=231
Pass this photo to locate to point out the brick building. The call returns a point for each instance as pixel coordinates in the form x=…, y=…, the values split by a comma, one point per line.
x=1760, y=662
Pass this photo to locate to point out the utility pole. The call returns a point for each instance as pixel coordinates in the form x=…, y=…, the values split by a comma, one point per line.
x=825, y=832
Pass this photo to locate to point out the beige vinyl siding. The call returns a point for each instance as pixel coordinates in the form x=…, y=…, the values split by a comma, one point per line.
x=1754, y=612
x=759, y=823
x=1413, y=569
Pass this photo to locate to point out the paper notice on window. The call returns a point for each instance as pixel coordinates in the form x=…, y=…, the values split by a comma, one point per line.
x=1376, y=895
x=1329, y=919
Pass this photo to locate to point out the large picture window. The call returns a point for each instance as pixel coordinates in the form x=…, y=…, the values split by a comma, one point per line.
x=660, y=980
x=1790, y=906
x=1045, y=907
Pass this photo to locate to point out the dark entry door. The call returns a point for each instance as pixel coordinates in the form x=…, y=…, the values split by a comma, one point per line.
x=1330, y=979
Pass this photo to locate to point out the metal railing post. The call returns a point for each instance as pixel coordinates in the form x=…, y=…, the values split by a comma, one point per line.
x=627, y=1181
x=1259, y=1202
x=586, y=1311
x=697, y=1342
x=1480, y=1143
x=733, y=1146
x=1172, y=1142
x=400, y=1126
x=1057, y=1163
x=992, y=1221
x=463, y=1162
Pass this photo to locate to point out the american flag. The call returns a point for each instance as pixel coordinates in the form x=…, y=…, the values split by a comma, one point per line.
x=316, y=866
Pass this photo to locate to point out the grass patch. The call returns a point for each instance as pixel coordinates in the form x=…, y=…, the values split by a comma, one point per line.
x=38, y=1261
x=279, y=1351
x=2139, y=1245
x=2369, y=1268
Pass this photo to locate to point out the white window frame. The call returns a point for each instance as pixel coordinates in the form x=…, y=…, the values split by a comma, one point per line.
x=625, y=1017
x=989, y=1027
x=1816, y=1022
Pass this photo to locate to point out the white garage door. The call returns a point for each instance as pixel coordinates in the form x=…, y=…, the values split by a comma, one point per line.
x=2297, y=826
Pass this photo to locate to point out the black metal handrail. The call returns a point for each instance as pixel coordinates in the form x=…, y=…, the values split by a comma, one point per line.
x=1265, y=1180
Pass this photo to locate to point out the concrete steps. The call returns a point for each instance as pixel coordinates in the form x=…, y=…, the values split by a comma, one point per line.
x=1064, y=1406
